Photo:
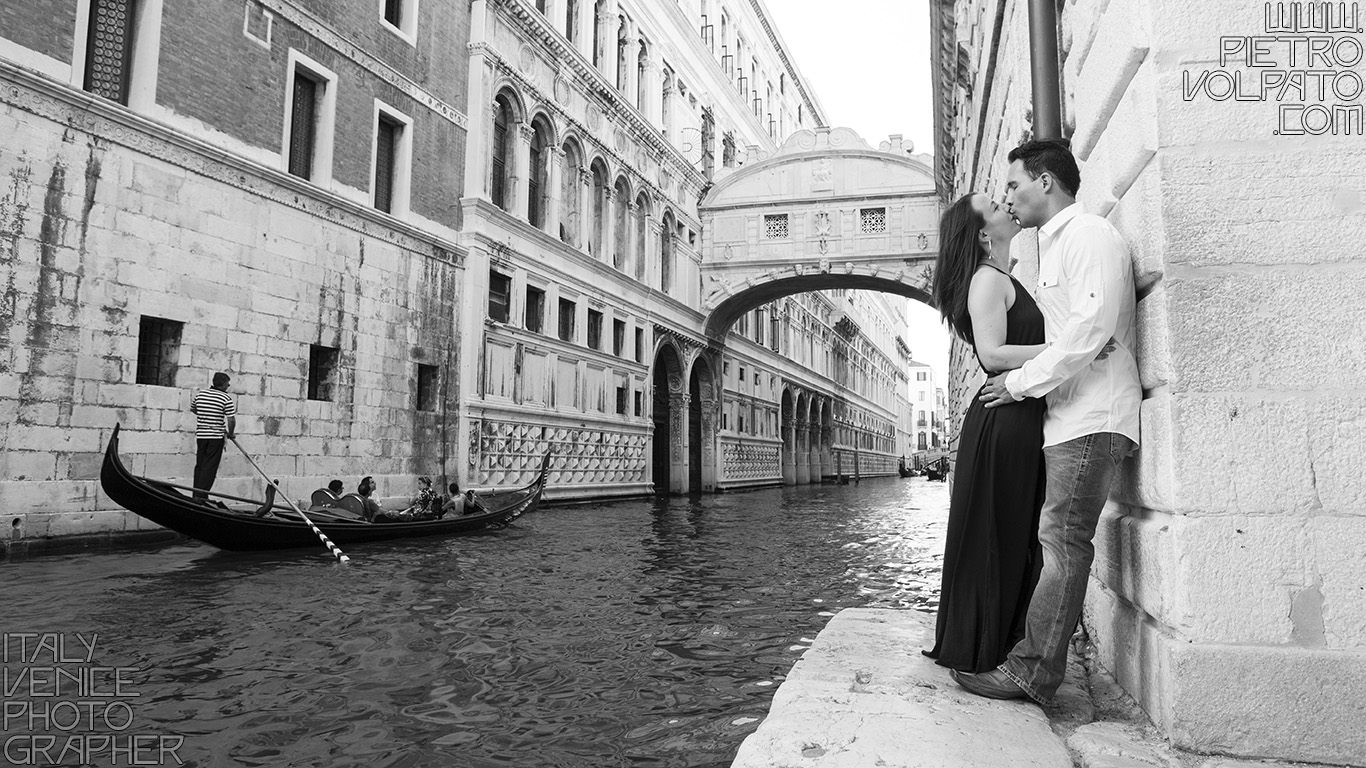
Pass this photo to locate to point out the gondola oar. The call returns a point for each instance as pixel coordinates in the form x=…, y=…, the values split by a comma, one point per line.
x=341, y=557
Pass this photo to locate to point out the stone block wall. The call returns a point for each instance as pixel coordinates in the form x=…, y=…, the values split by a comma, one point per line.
x=106, y=218
x=1226, y=594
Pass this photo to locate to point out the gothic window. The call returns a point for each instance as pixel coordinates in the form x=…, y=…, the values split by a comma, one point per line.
x=708, y=143
x=599, y=222
x=109, y=56
x=666, y=252
x=621, y=224
x=538, y=183
x=623, y=52
x=642, y=62
x=666, y=93
x=570, y=204
x=599, y=8
x=501, y=146
x=642, y=224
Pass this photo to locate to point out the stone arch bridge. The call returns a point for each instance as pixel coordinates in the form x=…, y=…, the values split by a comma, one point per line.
x=825, y=211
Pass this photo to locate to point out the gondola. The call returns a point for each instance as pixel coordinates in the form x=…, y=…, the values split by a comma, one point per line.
x=242, y=530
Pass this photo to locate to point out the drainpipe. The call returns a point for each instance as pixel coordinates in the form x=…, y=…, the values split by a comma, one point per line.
x=1043, y=67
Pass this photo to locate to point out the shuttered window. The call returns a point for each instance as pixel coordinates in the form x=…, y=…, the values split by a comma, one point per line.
x=303, y=126
x=109, y=56
x=386, y=151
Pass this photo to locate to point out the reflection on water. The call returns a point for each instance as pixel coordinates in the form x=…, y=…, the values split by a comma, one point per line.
x=645, y=633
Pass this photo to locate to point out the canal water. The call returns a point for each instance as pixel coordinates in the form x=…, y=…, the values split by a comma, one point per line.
x=642, y=633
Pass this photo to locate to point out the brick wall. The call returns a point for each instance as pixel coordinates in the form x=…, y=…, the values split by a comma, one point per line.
x=44, y=27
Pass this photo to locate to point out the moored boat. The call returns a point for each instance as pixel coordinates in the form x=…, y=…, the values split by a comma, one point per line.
x=243, y=530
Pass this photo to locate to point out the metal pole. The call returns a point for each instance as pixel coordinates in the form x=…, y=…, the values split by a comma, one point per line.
x=1043, y=67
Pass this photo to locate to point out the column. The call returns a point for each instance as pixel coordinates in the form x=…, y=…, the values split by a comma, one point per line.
x=630, y=240
x=586, y=21
x=709, y=457
x=585, y=208
x=678, y=438
x=650, y=272
x=559, y=15
x=610, y=46
x=520, y=188
x=653, y=102
x=609, y=224
x=803, y=454
x=555, y=180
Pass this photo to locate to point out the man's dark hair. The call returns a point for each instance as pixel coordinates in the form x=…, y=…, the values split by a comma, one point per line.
x=1053, y=156
x=365, y=482
x=336, y=486
x=220, y=379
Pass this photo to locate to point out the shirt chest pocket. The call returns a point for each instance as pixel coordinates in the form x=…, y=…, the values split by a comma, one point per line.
x=1049, y=275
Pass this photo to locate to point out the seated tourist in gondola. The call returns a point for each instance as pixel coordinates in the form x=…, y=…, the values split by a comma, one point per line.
x=427, y=505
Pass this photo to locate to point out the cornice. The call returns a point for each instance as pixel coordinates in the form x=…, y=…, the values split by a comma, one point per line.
x=118, y=125
x=317, y=29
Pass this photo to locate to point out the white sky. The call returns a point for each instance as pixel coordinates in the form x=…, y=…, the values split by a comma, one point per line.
x=869, y=64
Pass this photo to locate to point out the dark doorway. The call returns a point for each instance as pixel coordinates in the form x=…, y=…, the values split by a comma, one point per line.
x=661, y=461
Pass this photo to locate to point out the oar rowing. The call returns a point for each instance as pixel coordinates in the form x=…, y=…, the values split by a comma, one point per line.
x=341, y=558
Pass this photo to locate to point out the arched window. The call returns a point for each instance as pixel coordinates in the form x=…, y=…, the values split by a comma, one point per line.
x=598, y=8
x=571, y=21
x=666, y=252
x=621, y=224
x=538, y=182
x=596, y=230
x=666, y=93
x=642, y=61
x=501, y=146
x=570, y=205
x=623, y=52
x=642, y=223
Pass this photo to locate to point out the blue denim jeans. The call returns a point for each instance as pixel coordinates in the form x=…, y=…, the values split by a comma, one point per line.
x=1080, y=472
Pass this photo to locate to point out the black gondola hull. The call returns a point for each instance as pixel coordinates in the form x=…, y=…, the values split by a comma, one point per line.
x=242, y=531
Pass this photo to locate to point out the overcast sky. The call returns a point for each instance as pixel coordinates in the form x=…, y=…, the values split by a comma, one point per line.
x=869, y=63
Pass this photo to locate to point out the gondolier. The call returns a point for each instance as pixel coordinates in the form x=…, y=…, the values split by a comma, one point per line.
x=216, y=415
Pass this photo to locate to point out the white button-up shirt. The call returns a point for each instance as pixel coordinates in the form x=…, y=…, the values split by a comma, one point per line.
x=1086, y=294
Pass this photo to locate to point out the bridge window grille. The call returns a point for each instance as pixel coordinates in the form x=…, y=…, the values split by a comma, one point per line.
x=595, y=329
x=158, y=351
x=872, y=220
x=567, y=312
x=535, y=309
x=775, y=226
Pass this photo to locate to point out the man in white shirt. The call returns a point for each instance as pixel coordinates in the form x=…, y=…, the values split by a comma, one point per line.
x=1086, y=294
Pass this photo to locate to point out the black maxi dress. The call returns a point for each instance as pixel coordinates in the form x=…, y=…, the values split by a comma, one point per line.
x=991, y=553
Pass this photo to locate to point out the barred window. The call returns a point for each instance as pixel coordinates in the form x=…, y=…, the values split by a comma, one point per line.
x=428, y=382
x=158, y=351
x=775, y=226
x=872, y=220
x=322, y=371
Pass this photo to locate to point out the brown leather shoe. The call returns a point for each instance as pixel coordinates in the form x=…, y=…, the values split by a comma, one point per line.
x=993, y=684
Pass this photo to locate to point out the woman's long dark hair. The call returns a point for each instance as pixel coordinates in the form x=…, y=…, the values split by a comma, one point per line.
x=959, y=254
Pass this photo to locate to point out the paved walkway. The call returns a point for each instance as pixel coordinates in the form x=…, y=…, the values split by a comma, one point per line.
x=864, y=697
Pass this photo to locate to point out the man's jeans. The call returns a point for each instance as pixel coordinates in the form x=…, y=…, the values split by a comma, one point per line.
x=1080, y=472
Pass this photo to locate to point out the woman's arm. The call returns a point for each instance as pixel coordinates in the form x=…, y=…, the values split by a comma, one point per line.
x=989, y=298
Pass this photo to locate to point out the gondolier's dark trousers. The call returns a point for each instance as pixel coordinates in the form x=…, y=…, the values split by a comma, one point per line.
x=206, y=465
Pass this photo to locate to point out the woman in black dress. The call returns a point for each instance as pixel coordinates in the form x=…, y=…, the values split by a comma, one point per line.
x=991, y=553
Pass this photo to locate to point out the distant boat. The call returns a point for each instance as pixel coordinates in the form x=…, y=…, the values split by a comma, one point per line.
x=242, y=530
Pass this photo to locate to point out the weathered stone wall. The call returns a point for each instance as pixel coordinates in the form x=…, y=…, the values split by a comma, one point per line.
x=106, y=218
x=1227, y=587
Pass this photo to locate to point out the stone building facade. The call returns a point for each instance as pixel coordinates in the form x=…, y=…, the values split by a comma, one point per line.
x=599, y=127
x=1227, y=592
x=267, y=188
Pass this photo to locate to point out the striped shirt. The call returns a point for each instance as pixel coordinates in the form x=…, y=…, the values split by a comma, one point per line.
x=212, y=407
